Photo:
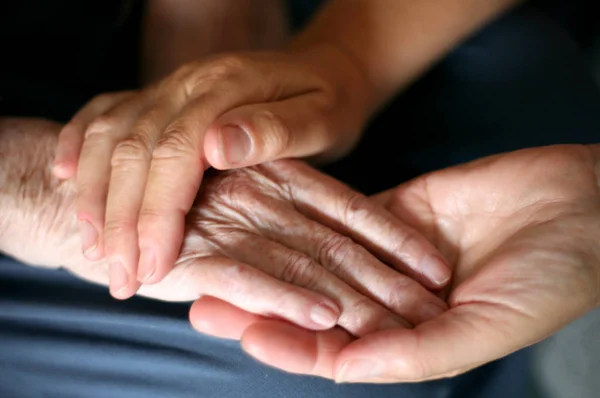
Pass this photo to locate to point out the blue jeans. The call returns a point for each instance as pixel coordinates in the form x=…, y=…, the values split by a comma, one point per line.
x=520, y=82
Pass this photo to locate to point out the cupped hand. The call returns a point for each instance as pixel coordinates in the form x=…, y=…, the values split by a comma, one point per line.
x=522, y=232
x=139, y=157
x=271, y=239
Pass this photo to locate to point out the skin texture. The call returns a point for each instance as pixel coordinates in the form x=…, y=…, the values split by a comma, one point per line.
x=521, y=230
x=145, y=152
x=253, y=238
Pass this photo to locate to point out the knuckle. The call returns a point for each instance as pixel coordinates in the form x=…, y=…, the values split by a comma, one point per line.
x=149, y=215
x=273, y=131
x=398, y=293
x=130, y=152
x=105, y=99
x=358, y=314
x=201, y=77
x=144, y=130
x=240, y=193
x=353, y=207
x=418, y=369
x=85, y=193
x=236, y=278
x=183, y=72
x=227, y=66
x=101, y=125
x=333, y=251
x=296, y=269
x=119, y=226
x=405, y=241
x=175, y=143
x=72, y=128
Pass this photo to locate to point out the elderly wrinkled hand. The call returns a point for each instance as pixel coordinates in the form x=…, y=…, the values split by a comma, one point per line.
x=273, y=240
x=139, y=157
x=522, y=232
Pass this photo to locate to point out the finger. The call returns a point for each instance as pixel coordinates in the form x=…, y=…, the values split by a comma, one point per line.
x=293, y=349
x=71, y=136
x=176, y=171
x=93, y=172
x=369, y=224
x=359, y=314
x=218, y=318
x=130, y=165
x=253, y=134
x=458, y=340
x=178, y=161
x=251, y=290
x=351, y=263
x=120, y=284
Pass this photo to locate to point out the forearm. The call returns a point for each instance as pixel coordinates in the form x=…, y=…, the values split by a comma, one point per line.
x=180, y=31
x=33, y=204
x=392, y=42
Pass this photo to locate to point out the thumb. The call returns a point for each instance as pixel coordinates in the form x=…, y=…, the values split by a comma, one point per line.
x=254, y=134
x=453, y=343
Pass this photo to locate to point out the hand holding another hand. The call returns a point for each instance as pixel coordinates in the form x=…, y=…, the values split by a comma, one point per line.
x=139, y=157
x=273, y=240
x=521, y=230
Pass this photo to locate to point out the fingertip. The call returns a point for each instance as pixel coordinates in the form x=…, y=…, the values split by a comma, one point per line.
x=281, y=345
x=214, y=317
x=325, y=315
x=158, y=259
x=62, y=170
x=436, y=270
x=121, y=285
x=293, y=349
x=125, y=292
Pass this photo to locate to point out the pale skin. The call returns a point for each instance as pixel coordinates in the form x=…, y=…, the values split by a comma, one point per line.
x=253, y=238
x=521, y=231
x=310, y=100
x=547, y=224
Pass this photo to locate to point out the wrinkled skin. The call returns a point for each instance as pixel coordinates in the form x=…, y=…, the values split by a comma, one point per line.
x=144, y=152
x=522, y=231
x=251, y=240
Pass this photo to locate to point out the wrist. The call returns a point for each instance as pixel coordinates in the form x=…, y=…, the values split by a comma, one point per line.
x=37, y=223
x=346, y=92
x=341, y=70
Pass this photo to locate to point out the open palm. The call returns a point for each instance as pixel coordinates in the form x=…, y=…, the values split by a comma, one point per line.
x=522, y=231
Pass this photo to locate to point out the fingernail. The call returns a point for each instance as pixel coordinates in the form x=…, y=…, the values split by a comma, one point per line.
x=358, y=370
x=435, y=269
x=429, y=311
x=235, y=144
x=89, y=237
x=147, y=265
x=325, y=315
x=118, y=277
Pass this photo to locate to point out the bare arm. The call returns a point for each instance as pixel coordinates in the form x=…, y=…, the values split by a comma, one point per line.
x=33, y=204
x=392, y=42
x=180, y=31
